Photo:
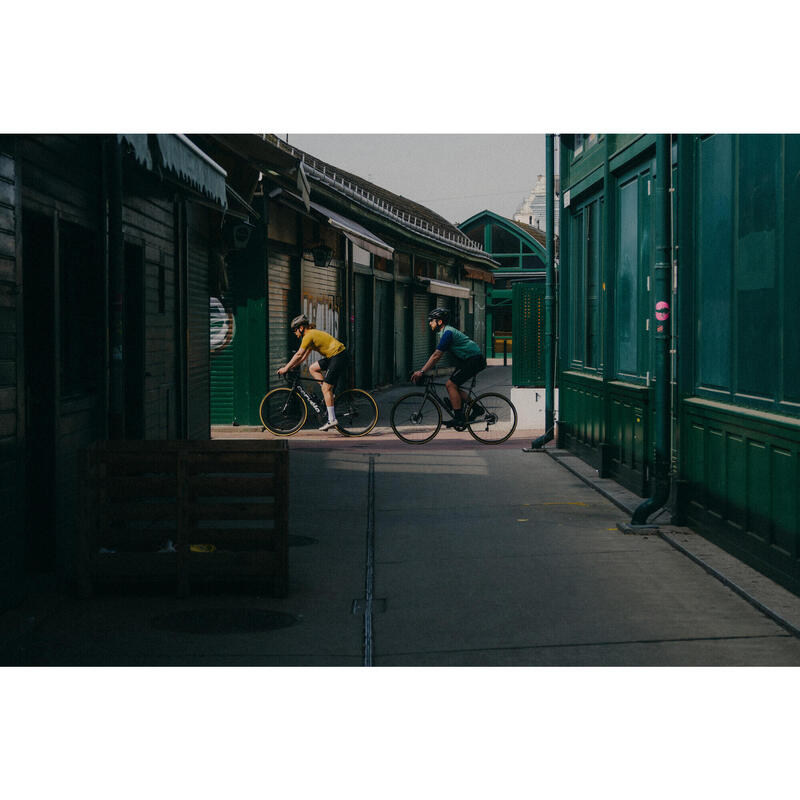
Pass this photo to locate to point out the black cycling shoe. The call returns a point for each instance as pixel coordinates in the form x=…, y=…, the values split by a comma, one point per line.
x=458, y=424
x=476, y=412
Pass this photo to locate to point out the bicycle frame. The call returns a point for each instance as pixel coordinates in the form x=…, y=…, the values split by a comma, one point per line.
x=311, y=399
x=434, y=395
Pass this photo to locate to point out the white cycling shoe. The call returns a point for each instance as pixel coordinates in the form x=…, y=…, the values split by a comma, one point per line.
x=328, y=425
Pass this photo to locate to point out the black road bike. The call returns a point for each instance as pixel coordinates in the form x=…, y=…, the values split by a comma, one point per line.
x=284, y=410
x=417, y=417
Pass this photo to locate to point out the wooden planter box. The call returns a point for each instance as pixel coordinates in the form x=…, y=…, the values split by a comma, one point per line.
x=184, y=512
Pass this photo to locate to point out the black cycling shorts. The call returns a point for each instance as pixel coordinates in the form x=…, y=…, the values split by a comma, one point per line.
x=335, y=367
x=467, y=368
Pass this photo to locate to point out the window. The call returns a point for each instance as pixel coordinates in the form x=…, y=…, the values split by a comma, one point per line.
x=532, y=262
x=756, y=267
x=791, y=271
x=504, y=241
x=583, y=141
x=585, y=271
x=447, y=272
x=475, y=232
x=627, y=283
x=402, y=262
x=423, y=268
x=715, y=252
x=748, y=258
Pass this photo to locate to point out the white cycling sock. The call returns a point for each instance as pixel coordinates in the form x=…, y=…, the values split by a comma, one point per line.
x=331, y=414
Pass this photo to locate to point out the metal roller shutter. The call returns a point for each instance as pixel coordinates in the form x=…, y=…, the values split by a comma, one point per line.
x=322, y=299
x=422, y=337
x=363, y=325
x=197, y=349
x=384, y=339
x=280, y=337
x=450, y=303
x=222, y=344
x=401, y=343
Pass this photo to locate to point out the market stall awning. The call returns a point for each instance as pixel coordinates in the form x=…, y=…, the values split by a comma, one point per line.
x=356, y=233
x=191, y=165
x=353, y=230
x=479, y=274
x=445, y=289
x=181, y=159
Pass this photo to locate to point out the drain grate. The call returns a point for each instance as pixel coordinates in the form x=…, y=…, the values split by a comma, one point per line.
x=223, y=620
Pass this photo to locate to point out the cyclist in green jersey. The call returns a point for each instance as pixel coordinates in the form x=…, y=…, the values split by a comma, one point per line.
x=466, y=354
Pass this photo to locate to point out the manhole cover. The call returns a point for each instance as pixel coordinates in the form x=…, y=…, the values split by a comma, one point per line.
x=301, y=541
x=223, y=620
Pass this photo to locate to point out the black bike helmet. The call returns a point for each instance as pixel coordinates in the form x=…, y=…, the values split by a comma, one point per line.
x=298, y=321
x=440, y=313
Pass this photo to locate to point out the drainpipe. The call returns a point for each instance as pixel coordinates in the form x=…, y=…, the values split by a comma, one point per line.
x=116, y=288
x=351, y=311
x=661, y=330
x=549, y=405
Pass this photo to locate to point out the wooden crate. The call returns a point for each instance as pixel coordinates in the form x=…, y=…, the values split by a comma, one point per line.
x=146, y=504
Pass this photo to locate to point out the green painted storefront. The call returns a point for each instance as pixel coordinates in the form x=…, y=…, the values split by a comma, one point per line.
x=522, y=258
x=734, y=410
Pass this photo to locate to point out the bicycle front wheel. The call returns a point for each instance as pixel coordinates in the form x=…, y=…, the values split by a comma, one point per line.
x=491, y=418
x=283, y=412
x=415, y=418
x=356, y=412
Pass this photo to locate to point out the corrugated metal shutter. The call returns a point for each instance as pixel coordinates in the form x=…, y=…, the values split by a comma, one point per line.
x=197, y=350
x=280, y=337
x=528, y=361
x=401, y=348
x=450, y=304
x=363, y=331
x=322, y=299
x=384, y=340
x=222, y=346
x=479, y=311
x=423, y=339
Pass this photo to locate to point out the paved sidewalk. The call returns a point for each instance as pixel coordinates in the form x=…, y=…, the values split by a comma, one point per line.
x=452, y=553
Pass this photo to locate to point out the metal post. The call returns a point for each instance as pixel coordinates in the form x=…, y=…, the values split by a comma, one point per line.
x=661, y=331
x=549, y=350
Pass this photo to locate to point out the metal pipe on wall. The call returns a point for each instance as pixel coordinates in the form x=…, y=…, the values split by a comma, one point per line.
x=549, y=354
x=662, y=294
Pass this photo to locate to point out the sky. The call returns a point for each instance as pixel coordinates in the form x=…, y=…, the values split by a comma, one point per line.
x=455, y=175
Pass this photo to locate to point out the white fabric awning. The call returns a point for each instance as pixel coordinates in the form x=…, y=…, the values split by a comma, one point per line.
x=445, y=289
x=356, y=233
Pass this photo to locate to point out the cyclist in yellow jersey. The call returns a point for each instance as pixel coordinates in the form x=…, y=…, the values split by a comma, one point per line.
x=333, y=363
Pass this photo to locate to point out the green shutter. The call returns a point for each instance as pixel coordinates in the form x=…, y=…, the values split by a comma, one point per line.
x=528, y=357
x=222, y=325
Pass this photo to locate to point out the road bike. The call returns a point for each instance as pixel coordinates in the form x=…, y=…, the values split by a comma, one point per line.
x=284, y=410
x=417, y=417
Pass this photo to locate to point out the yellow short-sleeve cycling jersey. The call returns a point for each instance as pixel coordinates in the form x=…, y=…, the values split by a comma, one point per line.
x=322, y=342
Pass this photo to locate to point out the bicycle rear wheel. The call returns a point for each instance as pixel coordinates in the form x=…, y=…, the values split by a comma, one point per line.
x=356, y=412
x=283, y=412
x=491, y=418
x=415, y=418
